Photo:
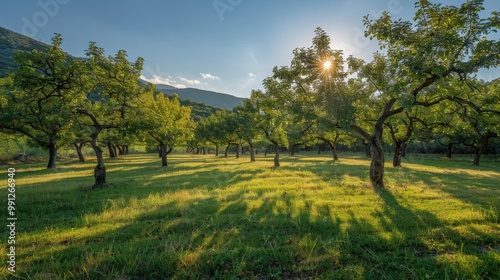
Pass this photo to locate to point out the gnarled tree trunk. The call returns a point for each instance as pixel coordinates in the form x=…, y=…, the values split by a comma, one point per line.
x=111, y=149
x=252, y=150
x=79, y=152
x=100, y=169
x=276, y=155
x=52, y=154
x=398, y=153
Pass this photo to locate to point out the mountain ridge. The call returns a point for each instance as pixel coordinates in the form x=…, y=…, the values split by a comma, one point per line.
x=11, y=41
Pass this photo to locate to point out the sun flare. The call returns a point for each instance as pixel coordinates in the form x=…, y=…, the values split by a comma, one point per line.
x=327, y=65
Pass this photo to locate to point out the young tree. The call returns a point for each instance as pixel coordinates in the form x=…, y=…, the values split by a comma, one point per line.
x=247, y=116
x=166, y=121
x=271, y=119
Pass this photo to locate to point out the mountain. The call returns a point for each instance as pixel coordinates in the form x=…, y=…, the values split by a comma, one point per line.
x=10, y=42
x=212, y=98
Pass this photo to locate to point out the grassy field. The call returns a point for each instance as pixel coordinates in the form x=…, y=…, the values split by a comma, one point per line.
x=215, y=218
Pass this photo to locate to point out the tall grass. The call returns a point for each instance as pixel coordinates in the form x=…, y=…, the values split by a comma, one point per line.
x=215, y=218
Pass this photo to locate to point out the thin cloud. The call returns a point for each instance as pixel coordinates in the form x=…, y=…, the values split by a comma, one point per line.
x=157, y=80
x=209, y=76
x=190, y=82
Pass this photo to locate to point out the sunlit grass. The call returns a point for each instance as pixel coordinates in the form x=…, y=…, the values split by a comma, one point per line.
x=207, y=217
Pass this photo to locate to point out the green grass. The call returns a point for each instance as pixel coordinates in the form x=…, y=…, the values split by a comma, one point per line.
x=215, y=218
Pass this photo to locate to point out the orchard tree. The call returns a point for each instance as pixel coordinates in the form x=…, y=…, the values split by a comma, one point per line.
x=478, y=106
x=112, y=88
x=165, y=121
x=247, y=117
x=272, y=118
x=323, y=99
x=79, y=136
x=442, y=42
x=210, y=129
x=41, y=96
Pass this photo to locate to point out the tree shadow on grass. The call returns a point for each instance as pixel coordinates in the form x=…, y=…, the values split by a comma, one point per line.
x=268, y=235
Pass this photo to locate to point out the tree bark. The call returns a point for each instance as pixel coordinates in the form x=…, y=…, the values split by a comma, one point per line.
x=267, y=150
x=79, y=152
x=216, y=150
x=377, y=166
x=368, y=152
x=292, y=149
x=100, y=169
x=227, y=149
x=449, y=150
x=398, y=153
x=377, y=157
x=478, y=151
x=252, y=150
x=163, y=151
x=237, y=151
x=111, y=149
x=52, y=154
x=333, y=147
x=120, y=150
x=276, y=156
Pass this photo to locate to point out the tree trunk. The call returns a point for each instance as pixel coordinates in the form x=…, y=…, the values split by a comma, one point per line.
x=398, y=153
x=163, y=149
x=100, y=169
x=227, y=148
x=216, y=150
x=479, y=151
x=368, y=151
x=276, y=156
x=333, y=147
x=319, y=149
x=125, y=149
x=377, y=149
x=120, y=150
x=237, y=151
x=377, y=167
x=112, y=151
x=449, y=150
x=267, y=150
x=78, y=148
x=52, y=155
x=252, y=150
x=292, y=149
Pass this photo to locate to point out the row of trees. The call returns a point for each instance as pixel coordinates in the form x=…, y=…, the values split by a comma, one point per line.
x=54, y=99
x=420, y=86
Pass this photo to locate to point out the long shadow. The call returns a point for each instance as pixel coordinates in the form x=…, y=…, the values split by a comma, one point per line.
x=281, y=236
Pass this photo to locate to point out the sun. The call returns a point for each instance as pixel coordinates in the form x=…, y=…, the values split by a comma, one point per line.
x=327, y=65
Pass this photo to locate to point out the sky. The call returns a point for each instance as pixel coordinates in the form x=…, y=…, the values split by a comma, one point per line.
x=228, y=46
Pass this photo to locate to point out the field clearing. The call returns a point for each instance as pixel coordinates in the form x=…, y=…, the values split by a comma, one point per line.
x=204, y=217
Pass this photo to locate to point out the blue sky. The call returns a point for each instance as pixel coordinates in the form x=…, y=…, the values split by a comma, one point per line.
x=228, y=46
